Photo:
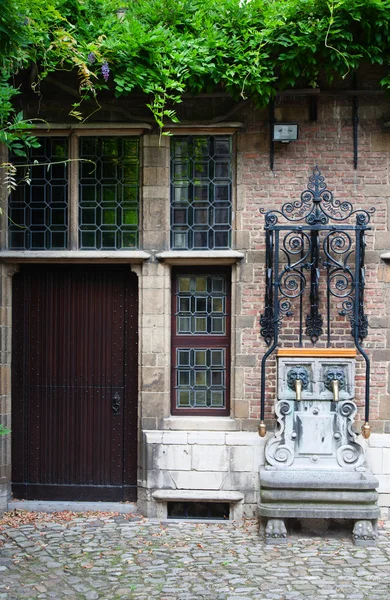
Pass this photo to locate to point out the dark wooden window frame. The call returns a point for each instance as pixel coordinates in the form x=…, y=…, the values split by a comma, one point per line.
x=208, y=341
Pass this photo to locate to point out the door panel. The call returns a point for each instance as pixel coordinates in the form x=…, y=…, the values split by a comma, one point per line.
x=74, y=383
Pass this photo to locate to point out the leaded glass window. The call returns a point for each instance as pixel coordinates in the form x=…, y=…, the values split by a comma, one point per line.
x=38, y=207
x=102, y=196
x=109, y=193
x=201, y=341
x=201, y=378
x=201, y=189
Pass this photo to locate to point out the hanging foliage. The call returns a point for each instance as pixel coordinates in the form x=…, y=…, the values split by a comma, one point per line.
x=248, y=48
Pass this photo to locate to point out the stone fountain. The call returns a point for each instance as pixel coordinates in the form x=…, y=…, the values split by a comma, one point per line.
x=315, y=467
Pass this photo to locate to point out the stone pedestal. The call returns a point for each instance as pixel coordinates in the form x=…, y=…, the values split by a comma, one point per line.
x=315, y=468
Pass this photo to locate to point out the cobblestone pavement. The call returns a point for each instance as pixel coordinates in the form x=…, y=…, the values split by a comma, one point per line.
x=118, y=558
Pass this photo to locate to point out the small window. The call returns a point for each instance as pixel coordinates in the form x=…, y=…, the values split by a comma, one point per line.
x=201, y=189
x=201, y=342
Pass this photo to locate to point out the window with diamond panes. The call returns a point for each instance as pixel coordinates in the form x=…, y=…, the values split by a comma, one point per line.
x=201, y=342
x=201, y=192
x=109, y=193
x=38, y=207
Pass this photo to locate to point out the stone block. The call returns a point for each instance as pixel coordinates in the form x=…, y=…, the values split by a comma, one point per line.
x=376, y=190
x=384, y=500
x=5, y=404
x=243, y=438
x=380, y=142
x=384, y=273
x=251, y=142
x=376, y=322
x=197, y=480
x=175, y=437
x=209, y=458
x=386, y=461
x=157, y=479
x=148, y=423
x=379, y=440
x=242, y=241
x=156, y=157
x=243, y=322
x=160, y=340
x=382, y=240
x=384, y=484
x=374, y=458
x=258, y=457
x=156, y=176
x=249, y=511
x=173, y=457
x=155, y=140
x=241, y=458
x=245, y=273
x=5, y=379
x=5, y=471
x=241, y=409
x=153, y=437
x=155, y=240
x=208, y=438
x=384, y=406
x=200, y=424
x=5, y=493
x=155, y=404
x=246, y=360
x=372, y=257
x=381, y=355
x=153, y=302
x=153, y=379
x=245, y=482
x=256, y=256
x=149, y=359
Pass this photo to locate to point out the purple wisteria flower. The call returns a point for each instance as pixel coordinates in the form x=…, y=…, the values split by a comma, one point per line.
x=105, y=71
x=91, y=58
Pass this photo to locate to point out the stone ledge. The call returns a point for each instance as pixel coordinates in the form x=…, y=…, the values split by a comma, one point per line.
x=385, y=255
x=321, y=480
x=197, y=495
x=75, y=256
x=200, y=257
x=180, y=423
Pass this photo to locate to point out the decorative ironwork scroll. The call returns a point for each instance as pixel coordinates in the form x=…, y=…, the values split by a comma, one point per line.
x=308, y=240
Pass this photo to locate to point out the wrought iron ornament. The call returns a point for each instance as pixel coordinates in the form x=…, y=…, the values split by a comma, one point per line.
x=307, y=240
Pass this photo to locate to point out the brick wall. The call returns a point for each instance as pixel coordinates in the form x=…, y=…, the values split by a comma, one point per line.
x=327, y=142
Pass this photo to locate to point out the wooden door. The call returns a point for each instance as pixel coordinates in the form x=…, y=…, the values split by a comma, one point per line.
x=74, y=383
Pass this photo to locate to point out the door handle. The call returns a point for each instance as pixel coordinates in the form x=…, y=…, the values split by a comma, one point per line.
x=116, y=404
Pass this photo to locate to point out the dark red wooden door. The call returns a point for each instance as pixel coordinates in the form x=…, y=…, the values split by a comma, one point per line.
x=74, y=383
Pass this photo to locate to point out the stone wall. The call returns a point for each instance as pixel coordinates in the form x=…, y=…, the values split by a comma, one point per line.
x=201, y=460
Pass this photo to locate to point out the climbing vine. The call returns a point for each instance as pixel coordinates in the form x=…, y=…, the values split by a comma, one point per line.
x=163, y=48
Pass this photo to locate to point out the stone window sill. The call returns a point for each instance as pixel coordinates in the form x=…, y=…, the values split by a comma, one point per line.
x=385, y=256
x=75, y=256
x=200, y=257
x=205, y=423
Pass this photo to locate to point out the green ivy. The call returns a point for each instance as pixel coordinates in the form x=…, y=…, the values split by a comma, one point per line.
x=249, y=48
x=4, y=430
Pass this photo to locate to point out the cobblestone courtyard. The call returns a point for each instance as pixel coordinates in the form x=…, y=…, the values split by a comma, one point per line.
x=118, y=558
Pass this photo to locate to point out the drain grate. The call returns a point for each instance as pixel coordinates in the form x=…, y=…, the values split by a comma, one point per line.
x=198, y=510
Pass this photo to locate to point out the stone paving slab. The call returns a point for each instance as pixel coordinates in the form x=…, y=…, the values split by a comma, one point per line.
x=122, y=557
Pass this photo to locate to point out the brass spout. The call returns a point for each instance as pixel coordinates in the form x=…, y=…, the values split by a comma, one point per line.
x=335, y=389
x=262, y=429
x=298, y=389
x=366, y=430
